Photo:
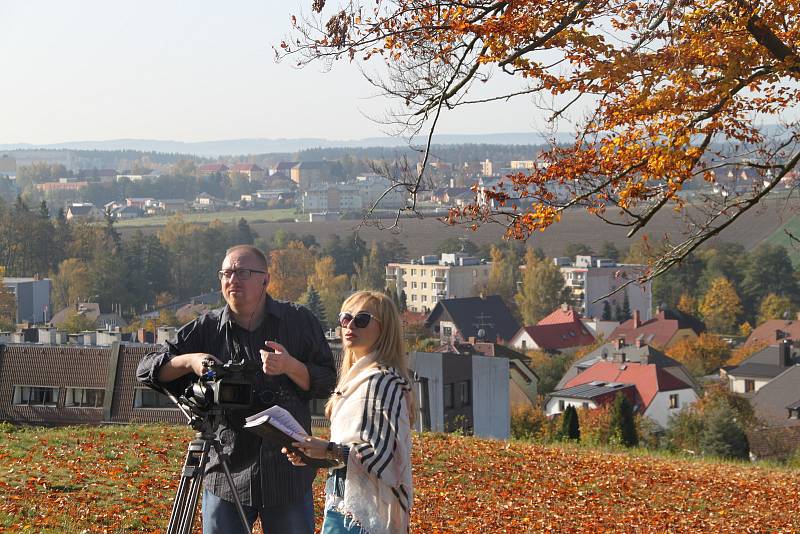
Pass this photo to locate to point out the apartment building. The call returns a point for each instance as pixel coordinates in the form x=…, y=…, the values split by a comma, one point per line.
x=430, y=279
x=591, y=279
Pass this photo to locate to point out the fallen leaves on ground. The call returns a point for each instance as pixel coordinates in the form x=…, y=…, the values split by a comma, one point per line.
x=124, y=478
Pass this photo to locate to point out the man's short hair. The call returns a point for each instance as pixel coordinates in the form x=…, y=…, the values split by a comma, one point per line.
x=249, y=249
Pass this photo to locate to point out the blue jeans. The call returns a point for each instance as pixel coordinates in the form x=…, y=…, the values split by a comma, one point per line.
x=221, y=517
x=336, y=523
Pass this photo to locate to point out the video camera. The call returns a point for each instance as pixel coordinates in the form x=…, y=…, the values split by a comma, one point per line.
x=228, y=385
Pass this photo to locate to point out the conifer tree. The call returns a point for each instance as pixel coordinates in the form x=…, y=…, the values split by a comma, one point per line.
x=623, y=427
x=570, y=428
x=313, y=302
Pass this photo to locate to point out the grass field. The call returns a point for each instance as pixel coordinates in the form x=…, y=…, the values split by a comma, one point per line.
x=123, y=479
x=252, y=216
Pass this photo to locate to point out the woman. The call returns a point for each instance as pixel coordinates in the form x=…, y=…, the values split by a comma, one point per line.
x=370, y=489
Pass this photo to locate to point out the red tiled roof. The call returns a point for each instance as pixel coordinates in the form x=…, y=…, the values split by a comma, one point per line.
x=648, y=379
x=560, y=335
x=771, y=331
x=657, y=331
x=562, y=314
x=244, y=167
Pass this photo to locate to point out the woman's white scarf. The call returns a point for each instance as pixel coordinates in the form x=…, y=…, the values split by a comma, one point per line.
x=371, y=415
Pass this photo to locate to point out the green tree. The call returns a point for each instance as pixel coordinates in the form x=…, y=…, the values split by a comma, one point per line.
x=456, y=244
x=606, y=316
x=71, y=284
x=244, y=234
x=541, y=289
x=502, y=275
x=623, y=426
x=609, y=250
x=623, y=313
x=721, y=306
x=370, y=274
x=768, y=270
x=570, y=427
x=775, y=307
x=76, y=322
x=347, y=252
x=577, y=249
x=313, y=302
x=723, y=435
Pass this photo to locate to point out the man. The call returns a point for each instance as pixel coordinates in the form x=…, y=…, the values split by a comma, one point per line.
x=298, y=366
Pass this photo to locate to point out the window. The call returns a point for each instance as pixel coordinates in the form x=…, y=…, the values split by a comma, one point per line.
x=585, y=405
x=413, y=285
x=561, y=406
x=673, y=401
x=749, y=385
x=464, y=393
x=413, y=272
x=447, y=331
x=35, y=395
x=524, y=345
x=448, y=395
x=84, y=397
x=147, y=398
x=413, y=298
x=424, y=285
x=424, y=298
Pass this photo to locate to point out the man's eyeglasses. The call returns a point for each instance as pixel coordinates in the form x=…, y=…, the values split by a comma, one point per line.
x=360, y=320
x=241, y=274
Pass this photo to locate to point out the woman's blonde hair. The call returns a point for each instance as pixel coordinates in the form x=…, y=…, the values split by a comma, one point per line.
x=389, y=347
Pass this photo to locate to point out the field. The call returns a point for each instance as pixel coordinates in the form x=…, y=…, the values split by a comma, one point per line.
x=422, y=235
x=123, y=479
x=253, y=216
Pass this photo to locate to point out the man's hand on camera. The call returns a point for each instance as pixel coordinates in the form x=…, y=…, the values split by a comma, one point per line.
x=183, y=365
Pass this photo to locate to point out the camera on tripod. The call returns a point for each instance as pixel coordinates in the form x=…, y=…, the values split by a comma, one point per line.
x=228, y=385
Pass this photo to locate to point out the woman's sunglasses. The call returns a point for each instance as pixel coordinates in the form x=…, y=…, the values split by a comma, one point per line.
x=360, y=320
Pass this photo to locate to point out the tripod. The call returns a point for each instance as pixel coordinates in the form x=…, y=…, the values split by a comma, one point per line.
x=184, y=508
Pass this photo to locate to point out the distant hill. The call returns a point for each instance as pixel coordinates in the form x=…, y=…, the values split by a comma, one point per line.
x=267, y=146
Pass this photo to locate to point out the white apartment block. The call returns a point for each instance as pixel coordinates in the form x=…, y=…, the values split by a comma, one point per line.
x=590, y=278
x=430, y=279
x=353, y=196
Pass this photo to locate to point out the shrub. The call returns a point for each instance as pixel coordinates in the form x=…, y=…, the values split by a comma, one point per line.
x=530, y=423
x=723, y=435
x=570, y=426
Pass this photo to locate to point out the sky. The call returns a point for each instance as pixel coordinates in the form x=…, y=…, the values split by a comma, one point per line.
x=93, y=70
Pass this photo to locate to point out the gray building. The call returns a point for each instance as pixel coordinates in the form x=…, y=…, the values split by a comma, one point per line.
x=463, y=392
x=32, y=297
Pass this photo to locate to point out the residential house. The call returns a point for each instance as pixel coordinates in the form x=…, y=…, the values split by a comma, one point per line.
x=208, y=169
x=591, y=280
x=762, y=367
x=619, y=351
x=772, y=331
x=561, y=331
x=206, y=202
x=462, y=392
x=666, y=329
x=66, y=185
x=91, y=311
x=776, y=406
x=169, y=205
x=653, y=391
x=127, y=212
x=430, y=279
x=308, y=174
x=83, y=211
x=480, y=318
x=249, y=170
x=31, y=298
x=523, y=386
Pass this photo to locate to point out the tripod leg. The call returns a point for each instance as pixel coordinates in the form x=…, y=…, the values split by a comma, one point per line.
x=185, y=506
x=223, y=459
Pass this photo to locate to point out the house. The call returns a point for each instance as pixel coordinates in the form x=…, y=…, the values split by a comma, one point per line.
x=481, y=318
x=664, y=330
x=523, y=386
x=560, y=331
x=777, y=403
x=206, y=202
x=772, y=331
x=462, y=392
x=90, y=310
x=762, y=367
x=127, y=212
x=170, y=205
x=620, y=352
x=307, y=174
x=653, y=391
x=208, y=169
x=249, y=170
x=83, y=211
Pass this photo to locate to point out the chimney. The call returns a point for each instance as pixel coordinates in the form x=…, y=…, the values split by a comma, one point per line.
x=785, y=353
x=637, y=321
